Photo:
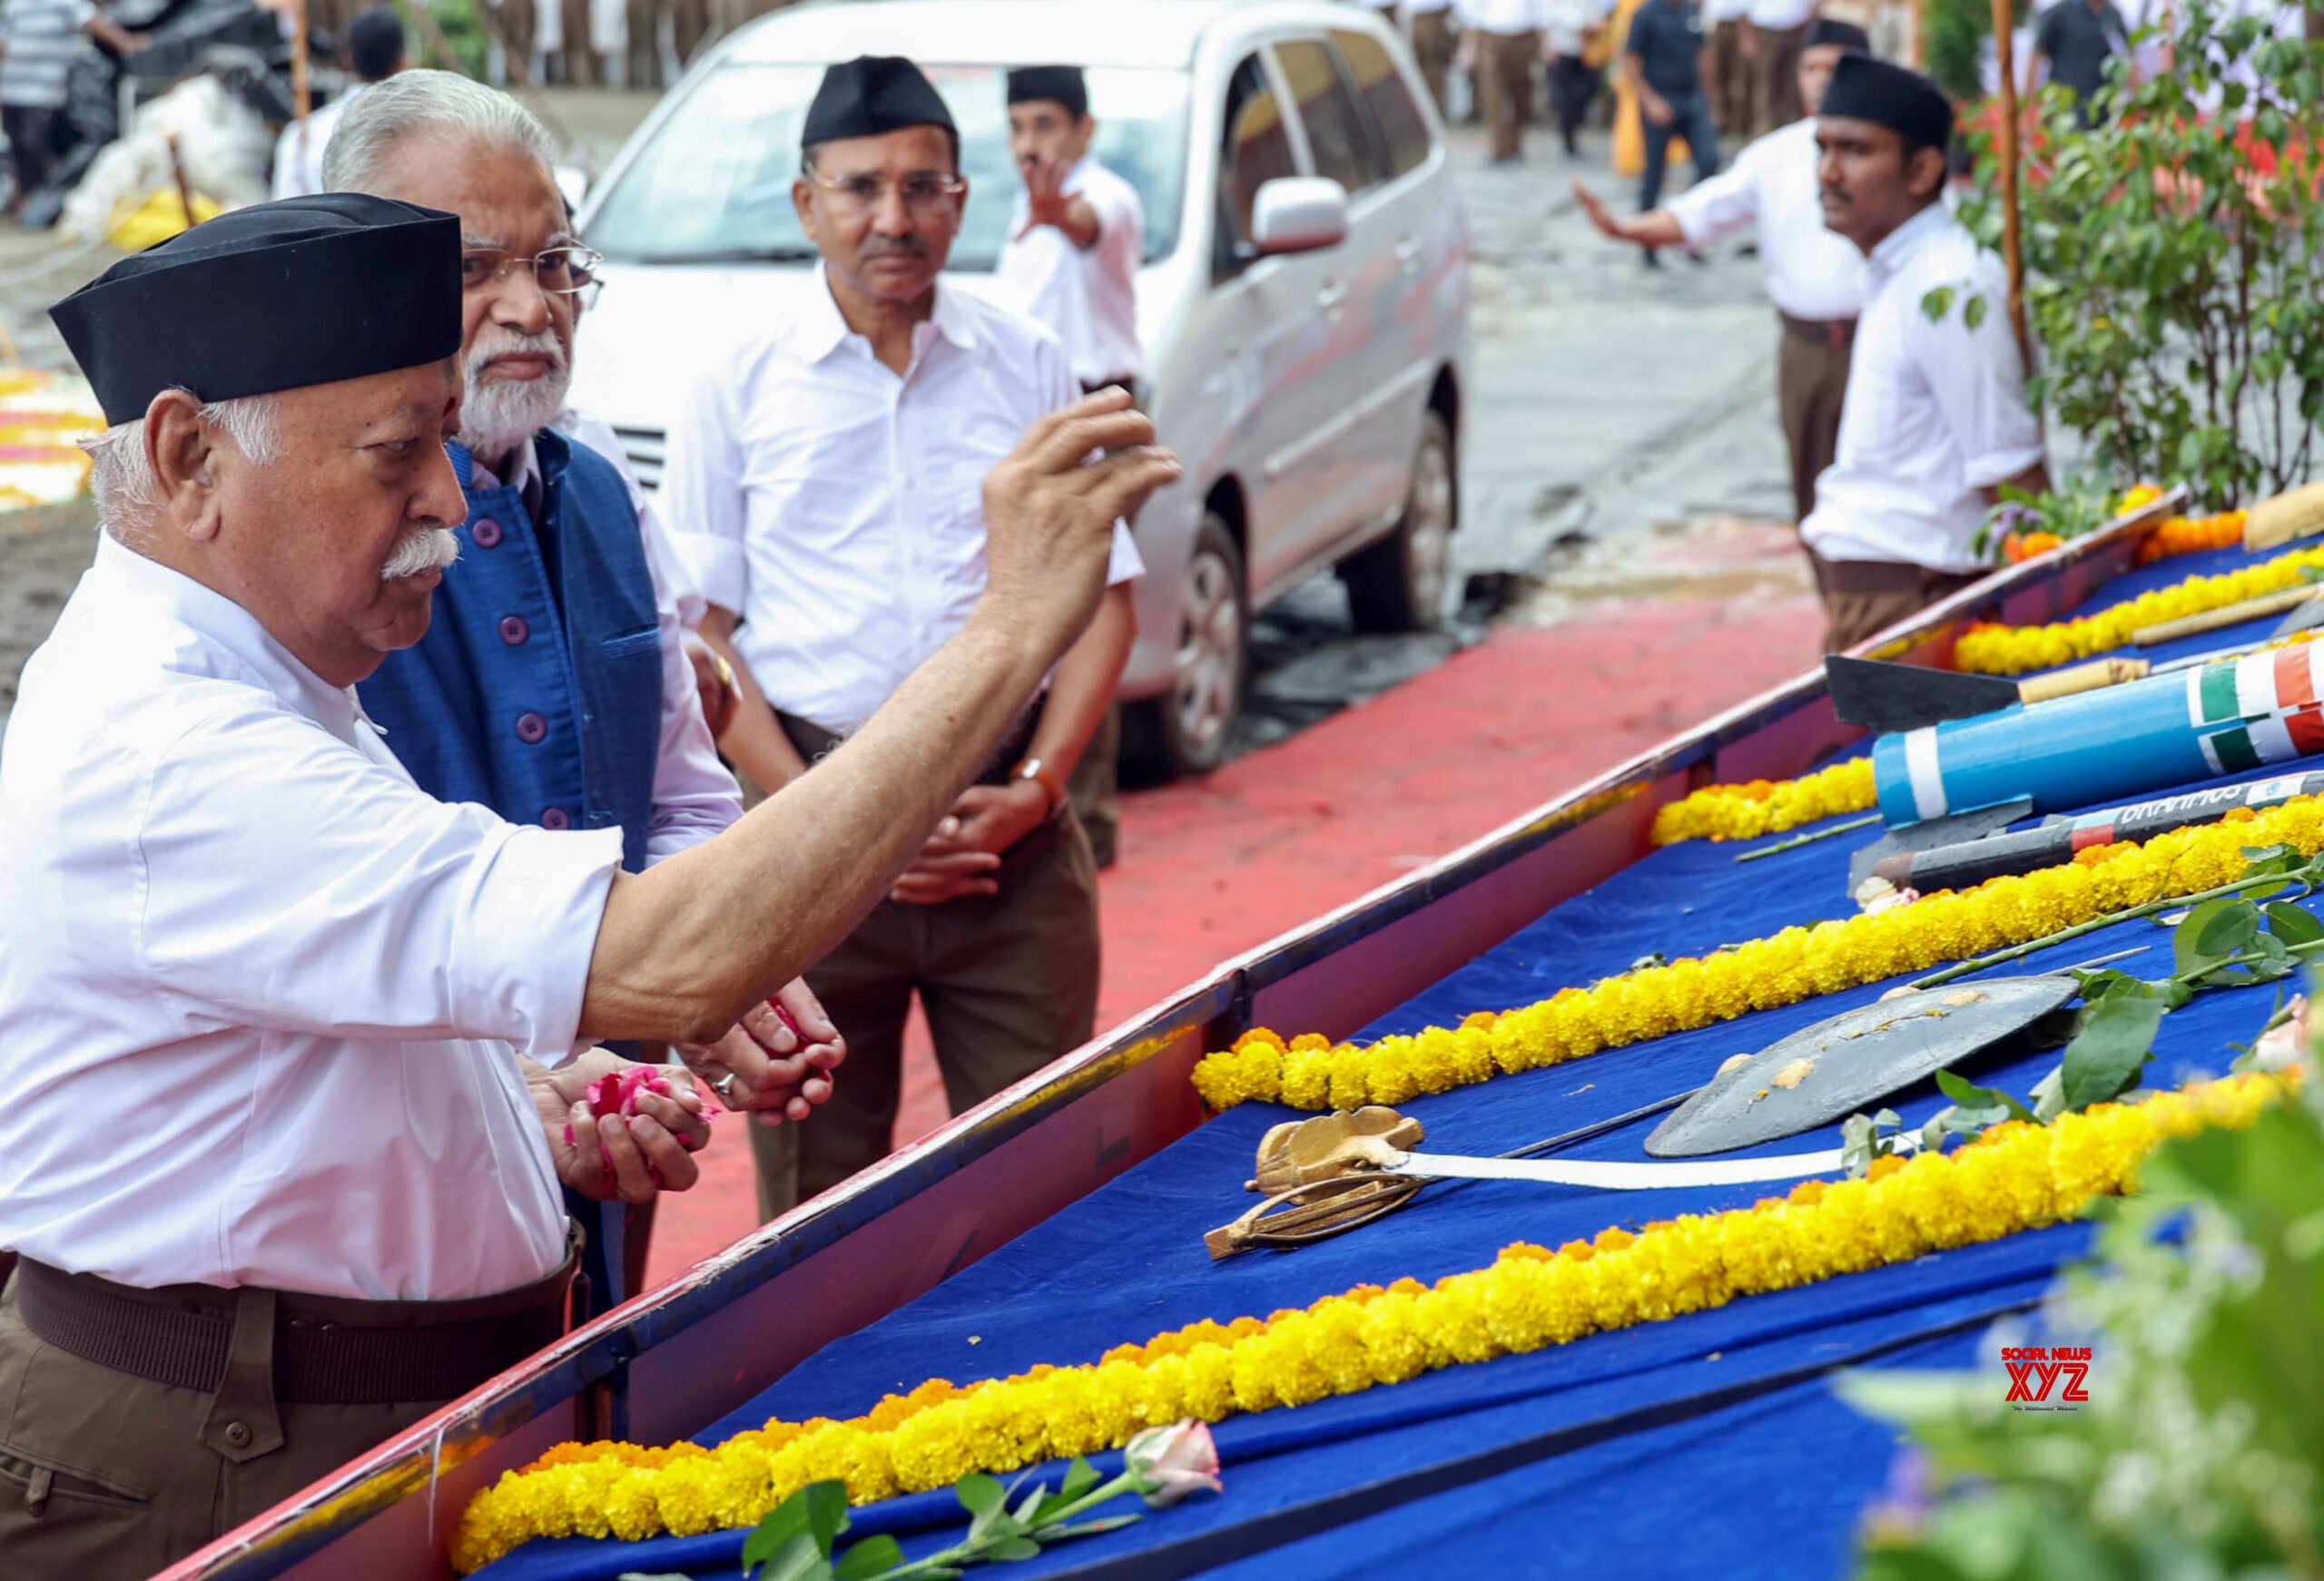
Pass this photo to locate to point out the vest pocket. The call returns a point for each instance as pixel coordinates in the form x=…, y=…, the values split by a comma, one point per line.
x=624, y=644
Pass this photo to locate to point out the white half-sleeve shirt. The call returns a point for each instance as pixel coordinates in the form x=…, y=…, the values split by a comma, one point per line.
x=1935, y=412
x=838, y=509
x=263, y=997
x=1811, y=272
x=1087, y=295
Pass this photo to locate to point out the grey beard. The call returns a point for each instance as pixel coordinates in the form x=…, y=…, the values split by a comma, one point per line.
x=498, y=417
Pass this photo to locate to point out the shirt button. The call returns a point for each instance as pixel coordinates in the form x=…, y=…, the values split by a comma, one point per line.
x=556, y=817
x=531, y=728
x=486, y=534
x=238, y=1434
x=513, y=629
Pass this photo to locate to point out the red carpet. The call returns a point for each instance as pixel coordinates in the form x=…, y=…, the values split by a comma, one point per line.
x=1214, y=866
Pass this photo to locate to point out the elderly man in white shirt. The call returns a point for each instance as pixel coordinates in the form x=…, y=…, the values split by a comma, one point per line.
x=1936, y=420
x=1814, y=277
x=822, y=487
x=297, y=1055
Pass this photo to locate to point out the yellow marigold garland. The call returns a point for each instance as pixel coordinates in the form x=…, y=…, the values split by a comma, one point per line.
x=2013, y=1178
x=1999, y=650
x=1311, y=1072
x=1765, y=806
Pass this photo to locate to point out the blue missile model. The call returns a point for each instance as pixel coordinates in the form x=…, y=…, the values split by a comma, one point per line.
x=2222, y=718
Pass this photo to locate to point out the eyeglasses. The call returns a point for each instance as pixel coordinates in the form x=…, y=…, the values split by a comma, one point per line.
x=560, y=272
x=925, y=195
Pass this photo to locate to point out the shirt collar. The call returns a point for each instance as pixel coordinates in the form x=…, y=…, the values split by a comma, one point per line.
x=817, y=329
x=1896, y=249
x=228, y=626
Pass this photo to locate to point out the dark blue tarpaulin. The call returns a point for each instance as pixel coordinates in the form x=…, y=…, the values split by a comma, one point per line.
x=1707, y=1445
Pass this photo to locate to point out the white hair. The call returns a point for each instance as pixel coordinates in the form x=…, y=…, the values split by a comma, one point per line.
x=442, y=104
x=121, y=478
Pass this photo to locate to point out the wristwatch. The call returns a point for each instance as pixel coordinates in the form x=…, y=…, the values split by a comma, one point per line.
x=1047, y=777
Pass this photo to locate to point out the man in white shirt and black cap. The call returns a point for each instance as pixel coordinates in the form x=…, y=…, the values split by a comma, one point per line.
x=1814, y=277
x=1936, y=420
x=1076, y=239
x=823, y=491
x=297, y=1054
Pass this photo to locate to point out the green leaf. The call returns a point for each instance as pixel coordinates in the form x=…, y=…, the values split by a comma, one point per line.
x=2049, y=1095
x=1973, y=311
x=982, y=1496
x=795, y=1516
x=1937, y=303
x=874, y=1555
x=2106, y=1056
x=797, y=1559
x=1029, y=1508
x=2294, y=924
x=1968, y=1096
x=1079, y=1478
x=1013, y=1548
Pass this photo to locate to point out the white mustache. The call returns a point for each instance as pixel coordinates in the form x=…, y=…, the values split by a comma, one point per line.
x=421, y=549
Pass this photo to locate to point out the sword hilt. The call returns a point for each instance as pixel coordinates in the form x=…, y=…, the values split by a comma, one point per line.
x=1301, y=1152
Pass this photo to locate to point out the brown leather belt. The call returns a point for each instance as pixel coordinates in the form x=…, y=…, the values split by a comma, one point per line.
x=327, y=1349
x=1832, y=332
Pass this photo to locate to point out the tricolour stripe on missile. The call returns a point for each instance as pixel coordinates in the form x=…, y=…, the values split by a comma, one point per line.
x=2212, y=695
x=1921, y=770
x=2295, y=677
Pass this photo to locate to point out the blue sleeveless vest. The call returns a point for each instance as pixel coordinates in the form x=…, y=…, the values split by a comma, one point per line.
x=547, y=709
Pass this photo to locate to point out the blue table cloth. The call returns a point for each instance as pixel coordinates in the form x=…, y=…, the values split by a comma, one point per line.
x=1707, y=1445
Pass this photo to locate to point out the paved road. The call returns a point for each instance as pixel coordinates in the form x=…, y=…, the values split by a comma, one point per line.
x=1613, y=401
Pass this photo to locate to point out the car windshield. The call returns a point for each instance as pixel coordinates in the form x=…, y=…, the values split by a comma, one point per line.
x=714, y=183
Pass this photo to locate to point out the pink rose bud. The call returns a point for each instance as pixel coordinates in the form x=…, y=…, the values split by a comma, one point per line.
x=1171, y=1462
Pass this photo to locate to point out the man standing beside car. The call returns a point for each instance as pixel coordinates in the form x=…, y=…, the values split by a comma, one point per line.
x=823, y=488
x=1076, y=239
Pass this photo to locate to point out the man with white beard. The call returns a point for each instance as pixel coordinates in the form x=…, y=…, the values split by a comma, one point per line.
x=553, y=685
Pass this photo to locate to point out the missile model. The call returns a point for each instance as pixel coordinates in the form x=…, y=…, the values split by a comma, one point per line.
x=1965, y=862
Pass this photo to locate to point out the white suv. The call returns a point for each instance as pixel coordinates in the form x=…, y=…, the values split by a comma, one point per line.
x=1304, y=303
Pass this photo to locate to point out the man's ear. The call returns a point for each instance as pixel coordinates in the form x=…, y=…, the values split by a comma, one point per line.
x=1925, y=173
x=182, y=452
x=803, y=199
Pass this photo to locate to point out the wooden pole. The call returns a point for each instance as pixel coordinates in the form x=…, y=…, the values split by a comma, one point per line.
x=1918, y=12
x=2013, y=255
x=301, y=96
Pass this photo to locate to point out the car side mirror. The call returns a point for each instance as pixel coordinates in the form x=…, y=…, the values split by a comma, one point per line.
x=1297, y=214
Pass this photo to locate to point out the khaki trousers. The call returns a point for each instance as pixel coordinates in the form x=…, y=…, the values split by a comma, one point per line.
x=1433, y=50
x=1095, y=787
x=1009, y=982
x=1863, y=598
x=104, y=1477
x=1727, y=80
x=1505, y=74
x=1778, y=74
x=1811, y=383
x=515, y=21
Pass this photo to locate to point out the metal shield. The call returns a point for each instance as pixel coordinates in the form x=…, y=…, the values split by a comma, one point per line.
x=1826, y=1071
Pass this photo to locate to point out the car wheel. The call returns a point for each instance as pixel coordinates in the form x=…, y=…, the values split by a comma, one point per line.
x=1187, y=730
x=1404, y=583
